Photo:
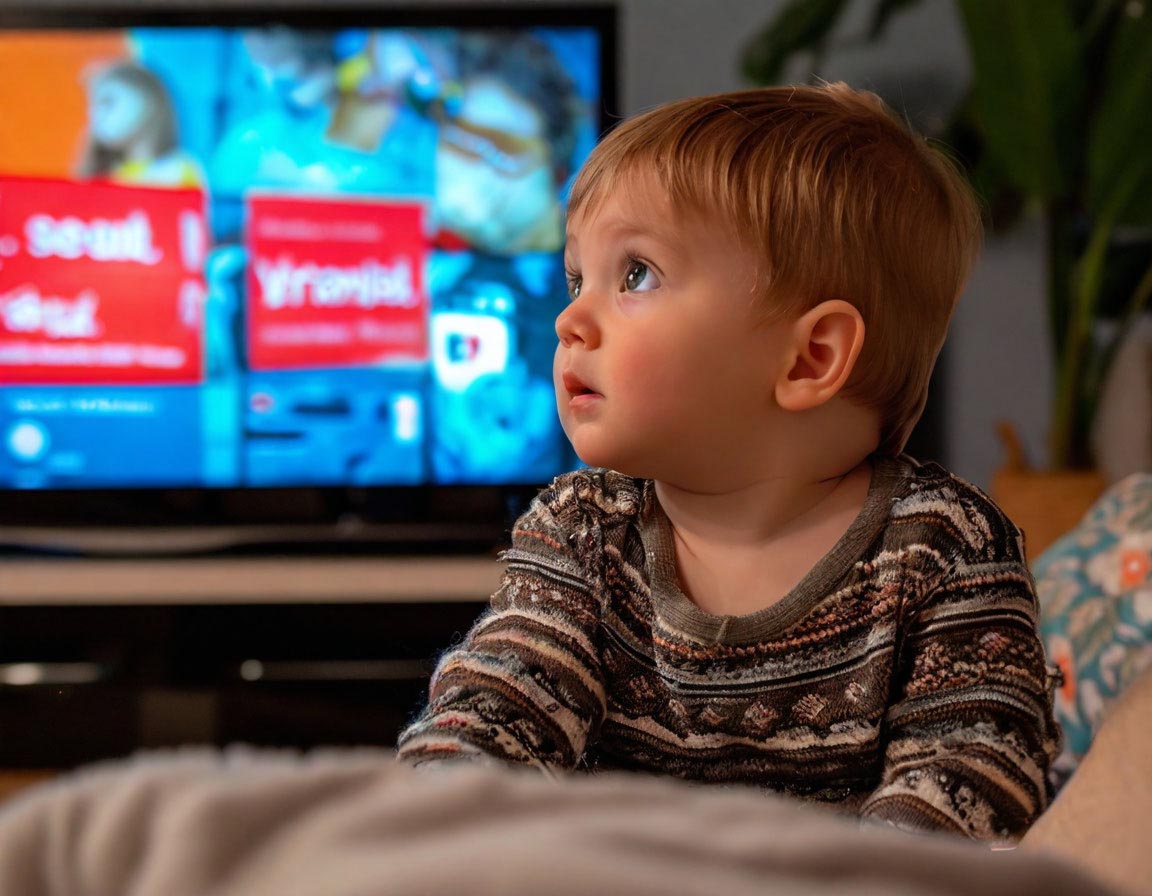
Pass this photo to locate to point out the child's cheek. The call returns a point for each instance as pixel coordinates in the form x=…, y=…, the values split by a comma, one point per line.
x=647, y=372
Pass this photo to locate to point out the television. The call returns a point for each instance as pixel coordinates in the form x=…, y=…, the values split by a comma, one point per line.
x=286, y=268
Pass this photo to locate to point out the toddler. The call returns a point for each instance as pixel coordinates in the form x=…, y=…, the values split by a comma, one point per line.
x=751, y=583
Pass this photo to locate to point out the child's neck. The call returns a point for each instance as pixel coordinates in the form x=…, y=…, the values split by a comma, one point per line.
x=759, y=511
x=744, y=549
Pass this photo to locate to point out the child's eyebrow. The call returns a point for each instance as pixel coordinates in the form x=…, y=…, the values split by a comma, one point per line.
x=623, y=230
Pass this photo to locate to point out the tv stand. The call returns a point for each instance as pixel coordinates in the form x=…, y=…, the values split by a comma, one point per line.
x=349, y=535
x=257, y=579
x=100, y=658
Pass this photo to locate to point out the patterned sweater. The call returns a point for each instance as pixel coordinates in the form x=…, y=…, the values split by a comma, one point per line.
x=902, y=679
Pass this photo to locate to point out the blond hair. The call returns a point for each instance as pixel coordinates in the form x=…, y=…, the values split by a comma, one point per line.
x=159, y=125
x=837, y=199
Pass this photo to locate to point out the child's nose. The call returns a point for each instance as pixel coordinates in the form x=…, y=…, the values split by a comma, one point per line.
x=575, y=325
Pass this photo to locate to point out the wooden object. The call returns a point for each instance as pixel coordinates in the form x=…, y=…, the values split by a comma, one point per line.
x=13, y=780
x=1045, y=504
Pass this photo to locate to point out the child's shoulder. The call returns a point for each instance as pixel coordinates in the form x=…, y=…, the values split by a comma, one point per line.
x=938, y=506
x=576, y=511
x=594, y=492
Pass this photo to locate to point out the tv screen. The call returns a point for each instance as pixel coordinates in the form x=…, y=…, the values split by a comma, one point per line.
x=275, y=250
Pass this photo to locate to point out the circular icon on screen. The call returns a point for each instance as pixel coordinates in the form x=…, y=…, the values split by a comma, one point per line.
x=27, y=441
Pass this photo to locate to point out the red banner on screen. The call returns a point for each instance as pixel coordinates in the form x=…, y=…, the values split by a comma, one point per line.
x=100, y=283
x=335, y=282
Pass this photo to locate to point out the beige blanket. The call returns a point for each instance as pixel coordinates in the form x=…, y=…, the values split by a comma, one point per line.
x=356, y=823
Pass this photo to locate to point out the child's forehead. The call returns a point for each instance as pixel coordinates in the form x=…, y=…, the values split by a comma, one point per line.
x=636, y=206
x=622, y=215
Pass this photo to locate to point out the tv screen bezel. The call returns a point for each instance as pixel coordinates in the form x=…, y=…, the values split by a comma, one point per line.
x=434, y=516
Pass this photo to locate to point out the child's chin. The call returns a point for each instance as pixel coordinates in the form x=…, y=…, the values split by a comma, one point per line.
x=592, y=455
x=618, y=461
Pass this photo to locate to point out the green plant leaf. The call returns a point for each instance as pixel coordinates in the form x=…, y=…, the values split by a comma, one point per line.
x=1027, y=90
x=884, y=11
x=1001, y=204
x=801, y=25
x=1119, y=157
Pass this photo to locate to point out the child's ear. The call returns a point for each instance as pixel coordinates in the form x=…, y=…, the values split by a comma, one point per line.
x=821, y=353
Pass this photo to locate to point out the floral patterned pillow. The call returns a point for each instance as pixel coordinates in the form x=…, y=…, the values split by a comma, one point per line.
x=1095, y=591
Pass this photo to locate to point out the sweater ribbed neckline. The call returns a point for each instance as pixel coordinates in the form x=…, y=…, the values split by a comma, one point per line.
x=676, y=610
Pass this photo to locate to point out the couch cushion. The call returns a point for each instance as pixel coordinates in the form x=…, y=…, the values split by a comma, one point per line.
x=1095, y=591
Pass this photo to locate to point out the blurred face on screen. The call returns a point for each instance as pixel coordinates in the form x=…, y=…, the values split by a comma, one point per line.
x=117, y=112
x=295, y=65
x=494, y=181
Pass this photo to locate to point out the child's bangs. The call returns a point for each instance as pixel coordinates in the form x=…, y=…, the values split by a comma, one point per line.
x=667, y=153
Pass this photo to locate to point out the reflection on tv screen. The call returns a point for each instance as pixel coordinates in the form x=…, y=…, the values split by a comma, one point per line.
x=277, y=257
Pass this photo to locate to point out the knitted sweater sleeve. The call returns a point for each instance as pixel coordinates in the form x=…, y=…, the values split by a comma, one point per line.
x=970, y=734
x=525, y=686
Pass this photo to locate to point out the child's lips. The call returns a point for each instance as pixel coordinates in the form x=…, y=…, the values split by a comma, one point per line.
x=580, y=394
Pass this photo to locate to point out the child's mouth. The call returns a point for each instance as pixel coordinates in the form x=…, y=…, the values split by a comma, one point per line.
x=577, y=389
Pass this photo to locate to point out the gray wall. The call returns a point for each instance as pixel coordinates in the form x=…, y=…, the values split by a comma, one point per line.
x=998, y=364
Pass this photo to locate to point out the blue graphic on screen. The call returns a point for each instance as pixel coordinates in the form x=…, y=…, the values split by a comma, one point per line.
x=336, y=342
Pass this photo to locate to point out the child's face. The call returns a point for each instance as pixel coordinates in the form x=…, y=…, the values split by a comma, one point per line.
x=116, y=111
x=662, y=369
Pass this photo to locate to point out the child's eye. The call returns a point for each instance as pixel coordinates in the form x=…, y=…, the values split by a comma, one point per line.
x=638, y=277
x=575, y=282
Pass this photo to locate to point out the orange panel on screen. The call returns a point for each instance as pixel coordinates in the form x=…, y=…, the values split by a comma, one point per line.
x=42, y=139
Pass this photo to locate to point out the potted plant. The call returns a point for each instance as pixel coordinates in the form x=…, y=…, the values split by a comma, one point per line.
x=1055, y=122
